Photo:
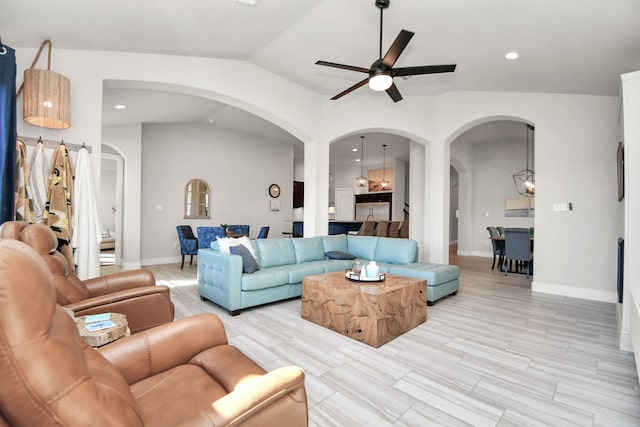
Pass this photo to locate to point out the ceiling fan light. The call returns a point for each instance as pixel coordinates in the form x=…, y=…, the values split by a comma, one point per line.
x=380, y=82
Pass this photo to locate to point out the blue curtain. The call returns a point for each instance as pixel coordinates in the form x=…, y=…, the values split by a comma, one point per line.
x=8, y=133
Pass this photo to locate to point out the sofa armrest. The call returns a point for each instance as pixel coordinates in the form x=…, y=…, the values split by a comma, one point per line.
x=144, y=307
x=275, y=398
x=115, y=282
x=220, y=278
x=164, y=347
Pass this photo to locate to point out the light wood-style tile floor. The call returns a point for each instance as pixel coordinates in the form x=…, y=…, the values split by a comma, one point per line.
x=494, y=355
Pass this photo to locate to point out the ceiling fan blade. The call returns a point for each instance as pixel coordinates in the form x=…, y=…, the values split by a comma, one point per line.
x=344, y=67
x=394, y=93
x=351, y=89
x=396, y=48
x=426, y=69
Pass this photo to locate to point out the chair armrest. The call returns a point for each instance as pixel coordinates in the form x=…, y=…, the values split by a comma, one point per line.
x=275, y=398
x=220, y=278
x=144, y=307
x=164, y=347
x=115, y=282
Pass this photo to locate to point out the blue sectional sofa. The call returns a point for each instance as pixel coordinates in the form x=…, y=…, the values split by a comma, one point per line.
x=284, y=262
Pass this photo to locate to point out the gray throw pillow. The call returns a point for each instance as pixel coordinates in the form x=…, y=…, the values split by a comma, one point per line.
x=339, y=255
x=249, y=263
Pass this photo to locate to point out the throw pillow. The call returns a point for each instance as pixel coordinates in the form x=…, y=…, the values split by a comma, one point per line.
x=339, y=255
x=246, y=242
x=249, y=263
x=225, y=243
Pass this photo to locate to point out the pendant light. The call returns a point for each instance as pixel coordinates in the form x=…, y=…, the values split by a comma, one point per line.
x=47, y=95
x=525, y=179
x=362, y=180
x=384, y=184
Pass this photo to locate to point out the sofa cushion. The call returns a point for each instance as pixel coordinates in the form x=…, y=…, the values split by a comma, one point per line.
x=266, y=278
x=335, y=243
x=396, y=251
x=249, y=263
x=434, y=274
x=275, y=252
x=298, y=271
x=363, y=247
x=308, y=249
x=339, y=255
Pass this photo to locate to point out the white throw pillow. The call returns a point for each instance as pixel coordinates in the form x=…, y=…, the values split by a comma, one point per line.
x=225, y=243
x=246, y=242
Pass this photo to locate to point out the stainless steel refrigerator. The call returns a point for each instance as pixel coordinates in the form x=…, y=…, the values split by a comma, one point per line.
x=373, y=211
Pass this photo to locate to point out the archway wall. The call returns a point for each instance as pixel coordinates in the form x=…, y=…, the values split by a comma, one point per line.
x=576, y=137
x=413, y=118
x=486, y=181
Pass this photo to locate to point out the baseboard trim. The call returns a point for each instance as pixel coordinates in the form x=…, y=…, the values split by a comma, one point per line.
x=574, y=292
x=476, y=253
x=167, y=260
x=624, y=337
x=131, y=265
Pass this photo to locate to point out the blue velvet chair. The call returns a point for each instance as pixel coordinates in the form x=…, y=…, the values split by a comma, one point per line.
x=206, y=235
x=188, y=243
x=264, y=232
x=238, y=230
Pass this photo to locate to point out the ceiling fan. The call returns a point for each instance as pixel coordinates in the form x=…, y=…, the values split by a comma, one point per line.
x=381, y=72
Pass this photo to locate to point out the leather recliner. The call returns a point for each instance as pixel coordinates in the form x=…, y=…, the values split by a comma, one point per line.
x=132, y=293
x=182, y=373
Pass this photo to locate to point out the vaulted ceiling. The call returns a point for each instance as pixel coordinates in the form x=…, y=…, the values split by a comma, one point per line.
x=568, y=46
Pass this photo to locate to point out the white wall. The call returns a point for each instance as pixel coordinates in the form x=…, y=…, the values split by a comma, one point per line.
x=238, y=168
x=576, y=140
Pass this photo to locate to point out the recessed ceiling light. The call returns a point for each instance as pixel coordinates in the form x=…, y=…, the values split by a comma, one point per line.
x=354, y=149
x=357, y=160
x=247, y=2
x=120, y=107
x=512, y=55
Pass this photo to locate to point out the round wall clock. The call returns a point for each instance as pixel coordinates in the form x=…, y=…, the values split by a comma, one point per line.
x=274, y=190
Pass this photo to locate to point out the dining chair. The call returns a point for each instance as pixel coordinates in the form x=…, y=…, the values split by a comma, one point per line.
x=382, y=228
x=367, y=228
x=404, y=230
x=206, y=235
x=501, y=230
x=517, y=247
x=238, y=230
x=188, y=243
x=263, y=233
x=498, y=247
x=394, y=229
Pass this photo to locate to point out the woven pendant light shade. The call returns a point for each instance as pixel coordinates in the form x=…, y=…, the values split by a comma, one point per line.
x=47, y=99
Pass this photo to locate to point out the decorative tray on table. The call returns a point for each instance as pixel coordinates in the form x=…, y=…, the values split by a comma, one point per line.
x=355, y=277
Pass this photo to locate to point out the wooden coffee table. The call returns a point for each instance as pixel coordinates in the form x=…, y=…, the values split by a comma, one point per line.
x=371, y=312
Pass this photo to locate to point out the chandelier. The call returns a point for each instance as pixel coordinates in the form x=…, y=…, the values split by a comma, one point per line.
x=362, y=181
x=525, y=179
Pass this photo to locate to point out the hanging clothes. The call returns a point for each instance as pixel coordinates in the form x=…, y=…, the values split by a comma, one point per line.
x=58, y=212
x=38, y=180
x=23, y=210
x=87, y=226
x=8, y=134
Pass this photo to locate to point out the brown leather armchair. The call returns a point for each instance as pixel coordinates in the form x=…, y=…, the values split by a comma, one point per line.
x=181, y=373
x=132, y=293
